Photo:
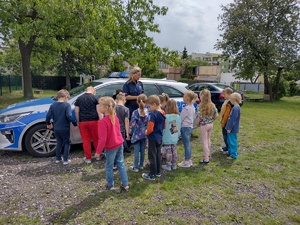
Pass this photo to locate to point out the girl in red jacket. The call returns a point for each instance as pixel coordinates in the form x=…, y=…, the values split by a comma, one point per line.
x=110, y=139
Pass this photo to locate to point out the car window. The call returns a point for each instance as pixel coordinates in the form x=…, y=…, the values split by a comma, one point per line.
x=172, y=92
x=108, y=90
x=151, y=89
x=193, y=87
x=78, y=90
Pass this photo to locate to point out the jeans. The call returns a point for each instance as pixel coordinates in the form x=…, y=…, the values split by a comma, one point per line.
x=224, y=132
x=115, y=155
x=154, y=156
x=205, y=132
x=232, y=144
x=62, y=144
x=89, y=130
x=125, y=145
x=186, y=139
x=139, y=153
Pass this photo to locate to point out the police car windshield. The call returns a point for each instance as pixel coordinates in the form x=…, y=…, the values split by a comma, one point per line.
x=78, y=90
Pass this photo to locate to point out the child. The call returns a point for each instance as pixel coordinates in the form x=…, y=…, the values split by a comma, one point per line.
x=154, y=134
x=225, y=111
x=171, y=134
x=60, y=113
x=138, y=125
x=87, y=114
x=207, y=113
x=110, y=139
x=187, y=120
x=164, y=98
x=123, y=116
x=233, y=125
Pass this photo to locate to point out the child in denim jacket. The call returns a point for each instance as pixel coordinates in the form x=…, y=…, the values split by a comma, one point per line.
x=138, y=125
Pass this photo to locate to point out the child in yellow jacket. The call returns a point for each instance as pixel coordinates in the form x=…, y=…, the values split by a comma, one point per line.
x=225, y=112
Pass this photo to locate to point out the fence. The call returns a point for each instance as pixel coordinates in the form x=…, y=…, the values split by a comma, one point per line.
x=259, y=88
x=9, y=83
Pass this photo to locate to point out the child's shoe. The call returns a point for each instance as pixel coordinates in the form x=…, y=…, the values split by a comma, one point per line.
x=141, y=168
x=109, y=188
x=166, y=167
x=174, y=167
x=230, y=157
x=87, y=161
x=59, y=161
x=186, y=164
x=158, y=175
x=148, y=176
x=125, y=188
x=66, y=162
x=204, y=162
x=133, y=169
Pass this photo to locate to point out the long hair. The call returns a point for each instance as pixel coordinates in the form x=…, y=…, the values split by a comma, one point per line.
x=133, y=71
x=172, y=107
x=111, y=107
x=191, y=96
x=141, y=101
x=206, y=107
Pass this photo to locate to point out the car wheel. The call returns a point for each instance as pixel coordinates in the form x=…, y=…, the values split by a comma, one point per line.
x=40, y=141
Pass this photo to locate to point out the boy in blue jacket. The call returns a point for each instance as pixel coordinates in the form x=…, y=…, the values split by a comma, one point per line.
x=60, y=116
x=233, y=125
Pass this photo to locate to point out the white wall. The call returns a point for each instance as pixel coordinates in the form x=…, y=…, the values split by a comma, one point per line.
x=228, y=78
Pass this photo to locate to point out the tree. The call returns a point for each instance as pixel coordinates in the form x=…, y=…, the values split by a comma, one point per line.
x=262, y=34
x=91, y=32
x=184, y=54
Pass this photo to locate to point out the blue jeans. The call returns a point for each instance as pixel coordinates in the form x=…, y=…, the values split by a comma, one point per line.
x=62, y=144
x=115, y=155
x=186, y=139
x=232, y=144
x=224, y=132
x=125, y=145
x=139, y=153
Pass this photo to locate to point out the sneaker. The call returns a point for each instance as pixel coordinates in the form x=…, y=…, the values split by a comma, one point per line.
x=148, y=176
x=110, y=189
x=87, y=161
x=166, y=167
x=174, y=167
x=223, y=149
x=230, y=157
x=67, y=162
x=123, y=187
x=115, y=167
x=158, y=175
x=141, y=168
x=59, y=161
x=185, y=164
x=204, y=162
x=225, y=152
x=133, y=169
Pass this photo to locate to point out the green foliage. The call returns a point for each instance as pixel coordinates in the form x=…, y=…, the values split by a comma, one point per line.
x=184, y=54
x=294, y=90
x=157, y=74
x=260, y=34
x=72, y=37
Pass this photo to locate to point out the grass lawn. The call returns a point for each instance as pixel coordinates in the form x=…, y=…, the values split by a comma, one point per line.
x=261, y=187
x=17, y=96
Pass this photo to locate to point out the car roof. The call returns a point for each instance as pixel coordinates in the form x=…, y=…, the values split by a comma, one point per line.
x=144, y=80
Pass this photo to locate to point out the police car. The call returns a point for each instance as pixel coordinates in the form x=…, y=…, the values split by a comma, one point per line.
x=22, y=125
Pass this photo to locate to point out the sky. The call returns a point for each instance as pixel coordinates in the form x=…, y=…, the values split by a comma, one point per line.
x=189, y=23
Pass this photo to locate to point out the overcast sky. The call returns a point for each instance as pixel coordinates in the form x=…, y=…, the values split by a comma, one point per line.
x=189, y=23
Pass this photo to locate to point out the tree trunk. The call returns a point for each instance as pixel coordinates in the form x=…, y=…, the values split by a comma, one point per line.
x=277, y=81
x=66, y=71
x=268, y=87
x=25, y=50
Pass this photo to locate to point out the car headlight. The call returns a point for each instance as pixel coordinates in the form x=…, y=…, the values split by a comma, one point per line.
x=13, y=117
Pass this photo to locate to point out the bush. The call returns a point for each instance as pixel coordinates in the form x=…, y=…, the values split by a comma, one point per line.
x=294, y=90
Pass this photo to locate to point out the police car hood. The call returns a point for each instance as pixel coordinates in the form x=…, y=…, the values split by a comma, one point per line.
x=40, y=104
